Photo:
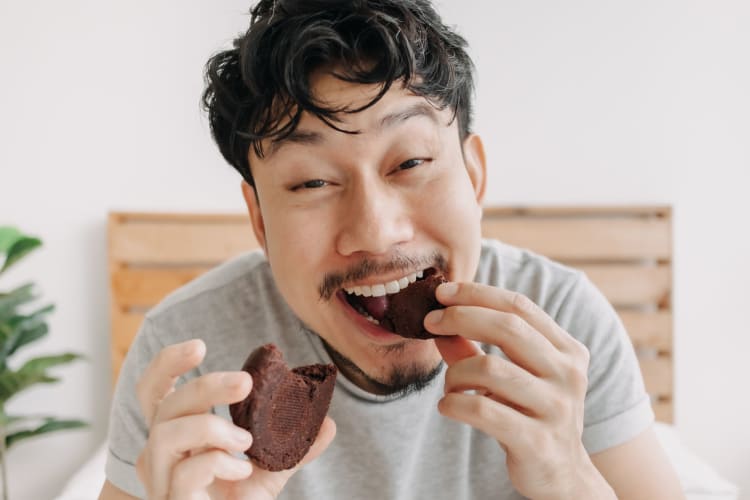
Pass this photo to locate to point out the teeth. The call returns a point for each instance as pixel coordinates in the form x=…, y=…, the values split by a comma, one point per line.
x=384, y=288
x=392, y=287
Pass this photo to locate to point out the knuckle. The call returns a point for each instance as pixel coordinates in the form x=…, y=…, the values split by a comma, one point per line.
x=212, y=430
x=577, y=376
x=514, y=325
x=490, y=364
x=159, y=434
x=481, y=408
x=204, y=386
x=470, y=292
x=521, y=303
x=556, y=406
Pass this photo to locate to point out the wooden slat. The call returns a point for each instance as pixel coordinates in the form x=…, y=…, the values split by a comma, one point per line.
x=145, y=287
x=589, y=211
x=630, y=284
x=180, y=242
x=649, y=330
x=179, y=217
x=124, y=328
x=657, y=375
x=572, y=239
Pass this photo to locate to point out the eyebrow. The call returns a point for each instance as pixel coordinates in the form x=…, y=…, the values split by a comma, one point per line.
x=390, y=120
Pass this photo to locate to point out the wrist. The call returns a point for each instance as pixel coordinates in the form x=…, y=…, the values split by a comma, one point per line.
x=585, y=483
x=591, y=485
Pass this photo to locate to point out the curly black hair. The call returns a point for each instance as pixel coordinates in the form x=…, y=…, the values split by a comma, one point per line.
x=260, y=87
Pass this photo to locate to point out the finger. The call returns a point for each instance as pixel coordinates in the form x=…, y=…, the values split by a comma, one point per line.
x=201, y=393
x=170, y=442
x=193, y=475
x=455, y=348
x=517, y=339
x=325, y=437
x=160, y=375
x=500, y=380
x=495, y=419
x=475, y=294
x=271, y=483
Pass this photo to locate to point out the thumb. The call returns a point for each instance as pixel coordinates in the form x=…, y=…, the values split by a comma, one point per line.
x=269, y=484
x=325, y=437
x=455, y=348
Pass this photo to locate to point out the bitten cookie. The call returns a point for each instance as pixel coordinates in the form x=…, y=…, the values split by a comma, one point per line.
x=407, y=309
x=285, y=408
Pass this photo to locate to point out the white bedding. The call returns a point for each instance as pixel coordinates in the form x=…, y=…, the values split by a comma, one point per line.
x=699, y=481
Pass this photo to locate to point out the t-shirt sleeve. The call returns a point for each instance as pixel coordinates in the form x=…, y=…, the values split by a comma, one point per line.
x=127, y=428
x=617, y=407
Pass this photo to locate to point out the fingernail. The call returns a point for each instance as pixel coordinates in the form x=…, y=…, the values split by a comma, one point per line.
x=242, y=466
x=188, y=348
x=242, y=437
x=448, y=289
x=434, y=316
x=231, y=379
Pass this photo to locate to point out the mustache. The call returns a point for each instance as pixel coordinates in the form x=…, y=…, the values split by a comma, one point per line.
x=365, y=268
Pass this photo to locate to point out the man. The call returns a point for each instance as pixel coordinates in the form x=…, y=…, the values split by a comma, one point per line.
x=350, y=122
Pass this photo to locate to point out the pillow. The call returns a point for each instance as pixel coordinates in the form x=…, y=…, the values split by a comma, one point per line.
x=699, y=481
x=87, y=481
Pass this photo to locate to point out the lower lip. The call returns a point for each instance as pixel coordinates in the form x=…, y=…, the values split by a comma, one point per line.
x=370, y=330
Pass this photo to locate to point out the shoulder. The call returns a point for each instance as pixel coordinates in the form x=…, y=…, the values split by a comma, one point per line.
x=239, y=272
x=565, y=293
x=232, y=308
x=545, y=281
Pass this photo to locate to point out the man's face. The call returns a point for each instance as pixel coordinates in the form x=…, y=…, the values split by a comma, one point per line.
x=336, y=210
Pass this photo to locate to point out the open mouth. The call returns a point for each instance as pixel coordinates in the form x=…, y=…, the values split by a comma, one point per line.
x=371, y=302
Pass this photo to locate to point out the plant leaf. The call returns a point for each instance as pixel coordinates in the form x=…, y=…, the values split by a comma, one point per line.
x=19, y=249
x=11, y=300
x=8, y=236
x=41, y=363
x=32, y=372
x=32, y=328
x=12, y=383
x=50, y=425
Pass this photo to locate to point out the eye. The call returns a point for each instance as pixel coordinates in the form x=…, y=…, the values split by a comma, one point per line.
x=313, y=184
x=414, y=162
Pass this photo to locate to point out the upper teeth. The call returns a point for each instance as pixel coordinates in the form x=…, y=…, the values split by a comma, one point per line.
x=381, y=289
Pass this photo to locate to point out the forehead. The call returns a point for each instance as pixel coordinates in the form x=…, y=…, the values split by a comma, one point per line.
x=335, y=93
x=396, y=106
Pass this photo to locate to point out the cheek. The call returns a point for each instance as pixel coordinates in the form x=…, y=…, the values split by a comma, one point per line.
x=294, y=247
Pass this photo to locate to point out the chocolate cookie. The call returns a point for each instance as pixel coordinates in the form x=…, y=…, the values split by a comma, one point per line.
x=406, y=310
x=285, y=408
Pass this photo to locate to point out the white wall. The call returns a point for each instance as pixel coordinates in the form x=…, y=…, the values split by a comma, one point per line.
x=579, y=102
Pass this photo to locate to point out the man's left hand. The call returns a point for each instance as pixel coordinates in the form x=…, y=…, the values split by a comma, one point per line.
x=531, y=403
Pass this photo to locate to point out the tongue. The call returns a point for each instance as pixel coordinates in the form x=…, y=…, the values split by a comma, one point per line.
x=375, y=306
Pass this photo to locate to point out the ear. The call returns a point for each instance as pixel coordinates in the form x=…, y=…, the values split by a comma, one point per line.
x=476, y=164
x=256, y=218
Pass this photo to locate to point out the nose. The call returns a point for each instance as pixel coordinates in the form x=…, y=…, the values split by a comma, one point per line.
x=374, y=219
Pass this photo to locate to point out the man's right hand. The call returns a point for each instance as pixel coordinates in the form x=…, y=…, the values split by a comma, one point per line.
x=189, y=451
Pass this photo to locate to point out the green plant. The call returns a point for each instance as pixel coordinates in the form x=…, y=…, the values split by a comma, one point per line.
x=20, y=325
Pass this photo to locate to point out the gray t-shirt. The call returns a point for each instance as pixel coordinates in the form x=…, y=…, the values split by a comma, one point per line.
x=385, y=447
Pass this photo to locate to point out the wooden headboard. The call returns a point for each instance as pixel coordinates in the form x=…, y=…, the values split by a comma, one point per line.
x=625, y=251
